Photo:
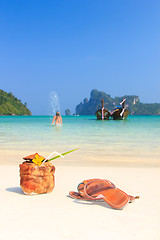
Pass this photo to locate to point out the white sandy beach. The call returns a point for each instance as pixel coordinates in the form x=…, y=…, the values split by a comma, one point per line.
x=57, y=216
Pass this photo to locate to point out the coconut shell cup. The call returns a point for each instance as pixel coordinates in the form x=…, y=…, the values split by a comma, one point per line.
x=36, y=179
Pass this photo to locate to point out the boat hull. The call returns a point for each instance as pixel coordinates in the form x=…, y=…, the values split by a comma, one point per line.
x=120, y=114
x=105, y=116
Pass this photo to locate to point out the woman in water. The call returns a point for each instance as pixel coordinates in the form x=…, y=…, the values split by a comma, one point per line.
x=57, y=119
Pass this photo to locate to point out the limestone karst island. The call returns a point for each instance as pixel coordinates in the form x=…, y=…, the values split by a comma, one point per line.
x=133, y=104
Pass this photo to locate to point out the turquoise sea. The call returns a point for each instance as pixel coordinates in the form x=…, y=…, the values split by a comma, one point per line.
x=136, y=139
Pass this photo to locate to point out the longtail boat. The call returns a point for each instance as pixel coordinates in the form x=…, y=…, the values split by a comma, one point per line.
x=120, y=112
x=102, y=113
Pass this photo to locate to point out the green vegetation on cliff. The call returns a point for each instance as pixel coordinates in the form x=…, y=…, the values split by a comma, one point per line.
x=10, y=105
x=89, y=107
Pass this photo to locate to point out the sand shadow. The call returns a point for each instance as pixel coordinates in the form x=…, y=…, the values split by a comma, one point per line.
x=17, y=190
x=97, y=202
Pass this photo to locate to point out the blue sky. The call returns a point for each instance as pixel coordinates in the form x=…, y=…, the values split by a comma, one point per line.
x=73, y=46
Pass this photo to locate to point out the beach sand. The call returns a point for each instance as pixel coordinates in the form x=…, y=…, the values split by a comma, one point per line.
x=57, y=216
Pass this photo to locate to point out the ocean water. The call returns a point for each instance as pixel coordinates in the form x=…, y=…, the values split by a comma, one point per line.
x=136, y=139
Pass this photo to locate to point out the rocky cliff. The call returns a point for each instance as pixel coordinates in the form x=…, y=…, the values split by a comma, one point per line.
x=133, y=104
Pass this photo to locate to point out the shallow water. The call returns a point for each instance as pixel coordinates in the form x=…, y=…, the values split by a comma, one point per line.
x=135, y=138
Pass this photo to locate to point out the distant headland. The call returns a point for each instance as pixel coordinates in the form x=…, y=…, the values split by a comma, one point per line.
x=133, y=104
x=10, y=105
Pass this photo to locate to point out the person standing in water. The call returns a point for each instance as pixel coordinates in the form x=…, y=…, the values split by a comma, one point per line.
x=57, y=119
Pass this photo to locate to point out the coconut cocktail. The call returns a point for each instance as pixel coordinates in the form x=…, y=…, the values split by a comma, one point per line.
x=37, y=174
